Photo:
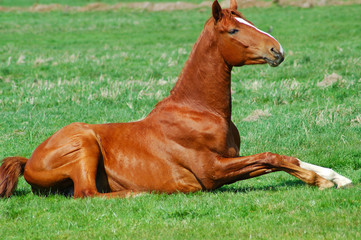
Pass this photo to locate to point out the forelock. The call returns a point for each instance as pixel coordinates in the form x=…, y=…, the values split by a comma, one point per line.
x=230, y=13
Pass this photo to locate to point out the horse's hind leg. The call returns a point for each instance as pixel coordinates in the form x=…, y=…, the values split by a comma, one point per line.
x=88, y=173
x=77, y=178
x=65, y=161
x=44, y=182
x=84, y=172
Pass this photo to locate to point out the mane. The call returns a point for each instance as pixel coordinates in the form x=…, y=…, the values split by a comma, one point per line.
x=207, y=30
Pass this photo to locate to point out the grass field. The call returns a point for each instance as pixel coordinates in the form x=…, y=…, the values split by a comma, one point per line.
x=98, y=67
x=76, y=2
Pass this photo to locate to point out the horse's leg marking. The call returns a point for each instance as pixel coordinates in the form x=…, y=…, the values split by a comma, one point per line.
x=327, y=173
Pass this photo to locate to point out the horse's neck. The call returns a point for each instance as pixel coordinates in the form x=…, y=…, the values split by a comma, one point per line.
x=205, y=81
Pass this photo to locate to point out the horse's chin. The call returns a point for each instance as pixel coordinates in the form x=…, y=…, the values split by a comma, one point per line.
x=273, y=63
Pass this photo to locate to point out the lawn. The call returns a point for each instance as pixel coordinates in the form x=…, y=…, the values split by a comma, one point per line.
x=96, y=67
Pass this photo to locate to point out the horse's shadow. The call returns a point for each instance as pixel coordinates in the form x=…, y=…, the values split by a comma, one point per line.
x=271, y=187
x=21, y=192
x=234, y=188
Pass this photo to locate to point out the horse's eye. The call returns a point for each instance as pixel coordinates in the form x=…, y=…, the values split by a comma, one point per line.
x=233, y=31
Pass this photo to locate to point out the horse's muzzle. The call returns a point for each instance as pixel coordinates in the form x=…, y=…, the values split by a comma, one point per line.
x=276, y=59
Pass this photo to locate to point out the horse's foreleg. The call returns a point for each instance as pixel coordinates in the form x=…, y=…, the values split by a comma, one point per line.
x=327, y=173
x=229, y=170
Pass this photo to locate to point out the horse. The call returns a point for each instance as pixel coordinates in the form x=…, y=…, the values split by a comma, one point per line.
x=187, y=143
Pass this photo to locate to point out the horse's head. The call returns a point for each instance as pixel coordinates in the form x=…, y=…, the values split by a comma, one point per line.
x=240, y=42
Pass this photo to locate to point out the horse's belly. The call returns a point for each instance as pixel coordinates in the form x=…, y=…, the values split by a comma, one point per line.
x=155, y=177
x=137, y=159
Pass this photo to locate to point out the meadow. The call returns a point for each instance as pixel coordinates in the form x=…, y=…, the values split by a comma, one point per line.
x=114, y=66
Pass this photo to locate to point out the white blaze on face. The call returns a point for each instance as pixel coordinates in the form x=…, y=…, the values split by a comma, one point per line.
x=248, y=24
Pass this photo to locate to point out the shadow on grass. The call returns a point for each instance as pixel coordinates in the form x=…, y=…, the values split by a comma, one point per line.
x=21, y=192
x=24, y=192
x=234, y=188
x=273, y=187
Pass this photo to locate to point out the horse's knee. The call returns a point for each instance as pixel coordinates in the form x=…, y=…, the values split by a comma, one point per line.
x=269, y=159
x=276, y=160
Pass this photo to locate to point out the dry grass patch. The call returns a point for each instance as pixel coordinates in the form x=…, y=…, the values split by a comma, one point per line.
x=314, y=3
x=257, y=114
x=97, y=6
x=329, y=80
x=173, y=6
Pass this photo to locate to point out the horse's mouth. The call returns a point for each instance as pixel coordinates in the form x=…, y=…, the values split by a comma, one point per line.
x=278, y=59
x=272, y=63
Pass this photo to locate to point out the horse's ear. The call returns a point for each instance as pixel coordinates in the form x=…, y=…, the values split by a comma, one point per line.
x=234, y=4
x=216, y=10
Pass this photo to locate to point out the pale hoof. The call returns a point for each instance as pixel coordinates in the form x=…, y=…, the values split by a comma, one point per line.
x=343, y=182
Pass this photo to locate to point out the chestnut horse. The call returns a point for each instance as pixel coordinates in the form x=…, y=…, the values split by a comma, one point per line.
x=187, y=143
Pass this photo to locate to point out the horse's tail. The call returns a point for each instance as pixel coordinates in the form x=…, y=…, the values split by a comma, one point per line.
x=10, y=171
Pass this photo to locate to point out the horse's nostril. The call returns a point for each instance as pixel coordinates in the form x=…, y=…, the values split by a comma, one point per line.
x=276, y=54
x=273, y=50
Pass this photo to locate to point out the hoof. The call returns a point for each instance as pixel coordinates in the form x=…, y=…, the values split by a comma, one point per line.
x=323, y=184
x=343, y=183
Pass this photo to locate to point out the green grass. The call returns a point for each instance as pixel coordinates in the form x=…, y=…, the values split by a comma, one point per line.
x=288, y=213
x=97, y=67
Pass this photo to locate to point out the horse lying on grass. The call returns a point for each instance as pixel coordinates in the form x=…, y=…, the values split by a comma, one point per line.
x=187, y=143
